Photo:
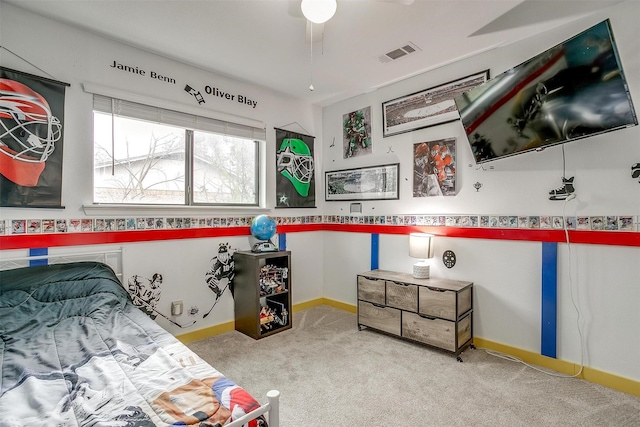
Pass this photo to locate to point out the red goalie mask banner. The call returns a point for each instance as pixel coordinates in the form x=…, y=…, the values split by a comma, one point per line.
x=31, y=123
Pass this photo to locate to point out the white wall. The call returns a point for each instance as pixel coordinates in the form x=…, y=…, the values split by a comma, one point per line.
x=53, y=50
x=507, y=274
x=77, y=57
x=517, y=185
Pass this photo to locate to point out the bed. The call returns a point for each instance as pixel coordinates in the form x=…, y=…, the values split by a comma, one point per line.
x=75, y=351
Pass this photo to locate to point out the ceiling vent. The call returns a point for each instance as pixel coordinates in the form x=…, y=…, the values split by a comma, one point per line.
x=400, y=52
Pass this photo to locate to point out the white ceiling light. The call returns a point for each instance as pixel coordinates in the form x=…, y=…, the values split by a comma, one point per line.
x=318, y=11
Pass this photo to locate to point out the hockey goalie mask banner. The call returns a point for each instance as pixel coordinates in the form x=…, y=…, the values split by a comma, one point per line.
x=31, y=123
x=295, y=182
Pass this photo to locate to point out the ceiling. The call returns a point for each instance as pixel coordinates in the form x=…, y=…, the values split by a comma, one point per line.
x=267, y=42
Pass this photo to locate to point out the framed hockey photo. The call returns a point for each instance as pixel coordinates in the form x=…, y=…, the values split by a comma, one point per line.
x=434, y=168
x=356, y=129
x=429, y=107
x=368, y=183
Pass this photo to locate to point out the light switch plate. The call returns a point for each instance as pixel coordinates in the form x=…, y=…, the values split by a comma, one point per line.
x=176, y=308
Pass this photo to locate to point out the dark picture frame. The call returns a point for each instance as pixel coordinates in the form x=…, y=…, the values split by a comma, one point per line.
x=366, y=183
x=429, y=107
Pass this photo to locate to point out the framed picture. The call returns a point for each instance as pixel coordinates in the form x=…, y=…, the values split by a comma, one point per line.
x=434, y=168
x=368, y=183
x=357, y=133
x=429, y=107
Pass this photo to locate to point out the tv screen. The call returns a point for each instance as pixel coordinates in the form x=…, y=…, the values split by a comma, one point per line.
x=571, y=91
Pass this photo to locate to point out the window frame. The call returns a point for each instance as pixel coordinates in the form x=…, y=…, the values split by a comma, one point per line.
x=233, y=129
x=190, y=163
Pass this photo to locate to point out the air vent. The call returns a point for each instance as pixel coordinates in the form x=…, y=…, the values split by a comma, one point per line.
x=398, y=53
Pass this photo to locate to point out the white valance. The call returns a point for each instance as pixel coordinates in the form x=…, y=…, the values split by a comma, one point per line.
x=119, y=102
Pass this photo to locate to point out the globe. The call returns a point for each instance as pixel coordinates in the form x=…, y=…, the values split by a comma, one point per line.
x=263, y=227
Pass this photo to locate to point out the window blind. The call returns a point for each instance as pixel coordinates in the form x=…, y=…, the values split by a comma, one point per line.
x=119, y=107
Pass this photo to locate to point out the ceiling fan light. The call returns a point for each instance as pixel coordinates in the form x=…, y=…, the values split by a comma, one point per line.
x=318, y=11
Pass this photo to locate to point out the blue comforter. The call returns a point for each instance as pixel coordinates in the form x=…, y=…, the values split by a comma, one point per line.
x=75, y=351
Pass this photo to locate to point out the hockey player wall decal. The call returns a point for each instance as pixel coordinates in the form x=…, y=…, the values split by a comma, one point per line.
x=221, y=273
x=145, y=294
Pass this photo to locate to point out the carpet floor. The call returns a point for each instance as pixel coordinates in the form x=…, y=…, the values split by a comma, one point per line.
x=331, y=374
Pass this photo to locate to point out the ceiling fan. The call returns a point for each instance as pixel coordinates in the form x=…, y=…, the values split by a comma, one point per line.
x=317, y=12
x=320, y=11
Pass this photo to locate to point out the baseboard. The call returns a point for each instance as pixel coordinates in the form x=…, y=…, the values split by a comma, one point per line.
x=203, y=333
x=592, y=375
x=222, y=328
x=324, y=301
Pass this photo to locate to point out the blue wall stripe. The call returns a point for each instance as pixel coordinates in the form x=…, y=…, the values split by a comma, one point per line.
x=375, y=246
x=549, y=299
x=282, y=241
x=38, y=252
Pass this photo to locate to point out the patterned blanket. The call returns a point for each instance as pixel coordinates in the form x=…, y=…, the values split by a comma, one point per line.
x=74, y=351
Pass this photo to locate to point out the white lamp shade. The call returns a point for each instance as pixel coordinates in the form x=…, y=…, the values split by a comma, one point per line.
x=318, y=11
x=421, y=245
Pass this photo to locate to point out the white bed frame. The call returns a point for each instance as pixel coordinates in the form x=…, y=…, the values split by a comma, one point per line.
x=271, y=408
x=113, y=258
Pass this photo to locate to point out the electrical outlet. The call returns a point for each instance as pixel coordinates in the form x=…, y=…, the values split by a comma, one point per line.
x=176, y=308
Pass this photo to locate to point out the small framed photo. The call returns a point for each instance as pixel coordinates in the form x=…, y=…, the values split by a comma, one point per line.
x=34, y=226
x=109, y=224
x=583, y=223
x=356, y=129
x=434, y=168
x=86, y=225
x=99, y=224
x=48, y=226
x=625, y=223
x=75, y=225
x=18, y=226
x=597, y=222
x=558, y=222
x=534, y=221
x=61, y=226
x=545, y=222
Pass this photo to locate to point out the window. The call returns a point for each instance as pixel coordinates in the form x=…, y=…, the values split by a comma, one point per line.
x=149, y=155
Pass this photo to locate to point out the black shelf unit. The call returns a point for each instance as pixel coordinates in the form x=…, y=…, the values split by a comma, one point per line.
x=262, y=300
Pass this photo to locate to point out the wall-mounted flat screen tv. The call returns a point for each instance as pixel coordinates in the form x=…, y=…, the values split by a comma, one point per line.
x=571, y=91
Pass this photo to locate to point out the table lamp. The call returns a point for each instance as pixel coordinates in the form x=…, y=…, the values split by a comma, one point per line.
x=421, y=246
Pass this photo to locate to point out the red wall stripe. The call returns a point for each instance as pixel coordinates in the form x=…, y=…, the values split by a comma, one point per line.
x=615, y=238
x=26, y=241
x=108, y=237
